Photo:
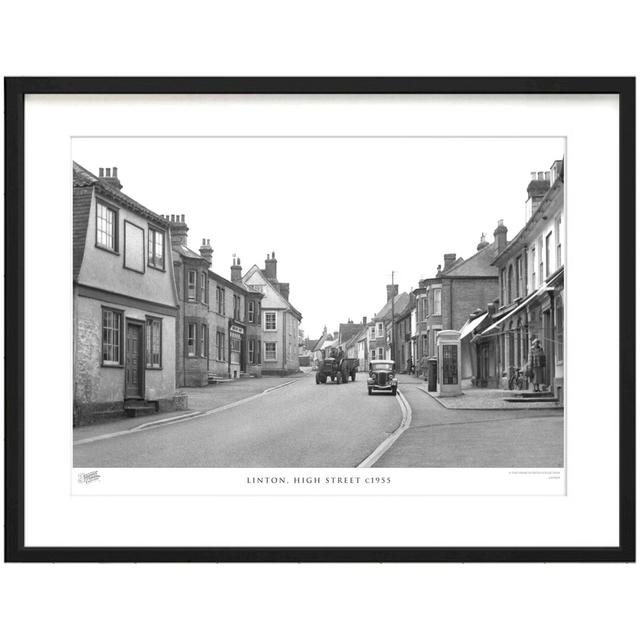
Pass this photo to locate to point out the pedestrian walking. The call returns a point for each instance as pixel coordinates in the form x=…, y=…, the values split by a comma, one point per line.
x=536, y=364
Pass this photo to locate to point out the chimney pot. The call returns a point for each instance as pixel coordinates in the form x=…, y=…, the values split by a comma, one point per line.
x=115, y=172
x=101, y=174
x=183, y=217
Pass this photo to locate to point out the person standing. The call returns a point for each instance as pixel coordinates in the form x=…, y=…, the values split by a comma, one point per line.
x=536, y=364
x=424, y=365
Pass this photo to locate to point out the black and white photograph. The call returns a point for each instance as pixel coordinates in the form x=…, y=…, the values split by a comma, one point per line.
x=318, y=302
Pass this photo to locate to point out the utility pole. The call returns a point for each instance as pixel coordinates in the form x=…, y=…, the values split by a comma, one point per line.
x=393, y=319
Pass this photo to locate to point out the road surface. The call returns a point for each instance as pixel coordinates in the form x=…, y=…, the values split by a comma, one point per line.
x=298, y=425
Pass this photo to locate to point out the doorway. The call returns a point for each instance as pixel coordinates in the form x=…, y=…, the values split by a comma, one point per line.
x=133, y=366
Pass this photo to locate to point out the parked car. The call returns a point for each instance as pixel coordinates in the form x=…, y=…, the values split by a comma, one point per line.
x=382, y=376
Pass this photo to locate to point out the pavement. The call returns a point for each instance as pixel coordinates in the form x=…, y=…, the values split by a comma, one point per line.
x=503, y=437
x=201, y=399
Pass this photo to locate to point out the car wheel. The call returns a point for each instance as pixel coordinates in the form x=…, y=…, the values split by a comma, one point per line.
x=353, y=376
x=394, y=391
x=345, y=378
x=369, y=390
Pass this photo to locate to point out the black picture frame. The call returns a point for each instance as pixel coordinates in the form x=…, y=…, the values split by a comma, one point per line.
x=15, y=91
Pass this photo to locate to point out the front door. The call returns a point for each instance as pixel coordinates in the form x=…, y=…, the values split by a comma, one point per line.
x=133, y=368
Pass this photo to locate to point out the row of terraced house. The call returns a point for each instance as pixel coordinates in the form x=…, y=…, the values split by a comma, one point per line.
x=151, y=315
x=504, y=295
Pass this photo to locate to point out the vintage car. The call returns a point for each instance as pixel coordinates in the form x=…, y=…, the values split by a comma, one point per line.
x=382, y=376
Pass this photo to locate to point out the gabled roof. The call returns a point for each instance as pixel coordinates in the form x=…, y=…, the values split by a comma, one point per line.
x=84, y=178
x=348, y=329
x=400, y=303
x=274, y=288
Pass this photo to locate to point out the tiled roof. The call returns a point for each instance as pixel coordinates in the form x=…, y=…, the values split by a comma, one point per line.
x=183, y=250
x=81, y=207
x=348, y=329
x=84, y=178
x=479, y=264
x=400, y=303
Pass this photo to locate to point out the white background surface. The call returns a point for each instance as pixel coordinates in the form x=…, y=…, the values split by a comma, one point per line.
x=587, y=516
x=550, y=601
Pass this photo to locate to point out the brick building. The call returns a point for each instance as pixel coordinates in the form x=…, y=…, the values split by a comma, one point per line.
x=446, y=300
x=236, y=319
x=218, y=328
x=124, y=301
x=192, y=284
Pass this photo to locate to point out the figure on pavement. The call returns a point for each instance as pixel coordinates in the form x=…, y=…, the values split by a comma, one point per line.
x=424, y=365
x=536, y=364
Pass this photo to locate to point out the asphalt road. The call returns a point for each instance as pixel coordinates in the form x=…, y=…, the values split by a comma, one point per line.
x=299, y=425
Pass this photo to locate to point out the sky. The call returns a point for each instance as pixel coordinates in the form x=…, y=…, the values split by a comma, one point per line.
x=341, y=214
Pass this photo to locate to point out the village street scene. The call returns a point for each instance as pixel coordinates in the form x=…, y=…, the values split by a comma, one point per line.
x=184, y=357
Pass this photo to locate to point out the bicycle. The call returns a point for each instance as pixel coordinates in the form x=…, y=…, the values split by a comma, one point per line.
x=517, y=380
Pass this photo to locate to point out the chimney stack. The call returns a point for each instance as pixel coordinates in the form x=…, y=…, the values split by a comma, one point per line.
x=271, y=267
x=110, y=177
x=364, y=319
x=392, y=291
x=283, y=287
x=179, y=230
x=236, y=270
x=449, y=259
x=500, y=235
x=206, y=251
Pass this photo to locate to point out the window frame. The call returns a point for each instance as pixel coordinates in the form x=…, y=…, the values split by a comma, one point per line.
x=119, y=313
x=220, y=351
x=547, y=255
x=275, y=351
x=203, y=287
x=188, y=353
x=437, y=308
x=220, y=300
x=149, y=333
x=202, y=342
x=188, y=285
x=116, y=225
x=275, y=320
x=152, y=232
x=251, y=311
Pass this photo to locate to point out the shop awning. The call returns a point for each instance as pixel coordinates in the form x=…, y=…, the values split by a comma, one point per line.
x=470, y=325
x=524, y=303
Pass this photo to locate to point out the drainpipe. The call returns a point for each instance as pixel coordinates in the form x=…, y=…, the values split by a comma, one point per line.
x=284, y=342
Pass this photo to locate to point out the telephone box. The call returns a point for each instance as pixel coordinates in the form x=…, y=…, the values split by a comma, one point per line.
x=449, y=363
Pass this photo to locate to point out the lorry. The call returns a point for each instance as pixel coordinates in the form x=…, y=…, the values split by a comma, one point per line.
x=336, y=368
